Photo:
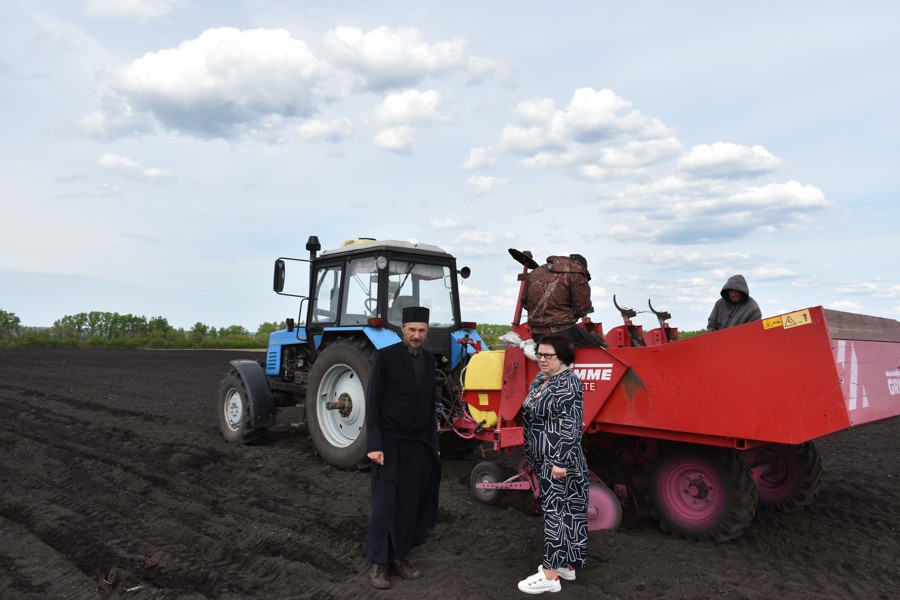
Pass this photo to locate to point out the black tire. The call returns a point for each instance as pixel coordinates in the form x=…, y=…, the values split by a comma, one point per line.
x=339, y=375
x=701, y=493
x=234, y=410
x=610, y=469
x=789, y=476
x=486, y=472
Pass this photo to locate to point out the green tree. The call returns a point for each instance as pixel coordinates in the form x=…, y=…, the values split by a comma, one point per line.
x=198, y=333
x=71, y=327
x=159, y=325
x=233, y=330
x=9, y=325
x=263, y=331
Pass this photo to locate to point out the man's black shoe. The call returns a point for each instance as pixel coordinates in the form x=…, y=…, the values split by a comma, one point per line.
x=379, y=577
x=405, y=570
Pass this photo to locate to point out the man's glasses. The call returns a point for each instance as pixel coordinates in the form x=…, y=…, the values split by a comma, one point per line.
x=547, y=355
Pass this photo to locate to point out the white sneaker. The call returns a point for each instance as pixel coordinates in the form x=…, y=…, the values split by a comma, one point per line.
x=538, y=584
x=567, y=573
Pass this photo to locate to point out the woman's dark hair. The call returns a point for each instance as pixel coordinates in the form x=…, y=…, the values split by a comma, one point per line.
x=561, y=346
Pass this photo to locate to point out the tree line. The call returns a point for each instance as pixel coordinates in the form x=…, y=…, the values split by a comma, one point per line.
x=111, y=330
x=98, y=329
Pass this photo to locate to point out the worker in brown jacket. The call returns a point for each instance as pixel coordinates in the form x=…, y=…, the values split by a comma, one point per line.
x=557, y=294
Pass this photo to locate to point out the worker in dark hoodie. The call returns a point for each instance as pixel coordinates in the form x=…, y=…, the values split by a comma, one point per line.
x=735, y=307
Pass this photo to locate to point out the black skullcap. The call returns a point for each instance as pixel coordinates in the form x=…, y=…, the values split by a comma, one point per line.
x=416, y=314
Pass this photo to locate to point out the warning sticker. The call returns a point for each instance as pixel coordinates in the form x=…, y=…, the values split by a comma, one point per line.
x=772, y=322
x=794, y=319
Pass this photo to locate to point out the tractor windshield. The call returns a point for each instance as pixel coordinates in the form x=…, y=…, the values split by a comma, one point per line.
x=418, y=284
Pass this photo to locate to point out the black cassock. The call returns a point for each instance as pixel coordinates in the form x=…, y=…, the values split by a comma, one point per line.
x=400, y=421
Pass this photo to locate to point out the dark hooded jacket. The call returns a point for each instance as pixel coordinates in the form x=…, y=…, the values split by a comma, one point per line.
x=726, y=313
x=557, y=294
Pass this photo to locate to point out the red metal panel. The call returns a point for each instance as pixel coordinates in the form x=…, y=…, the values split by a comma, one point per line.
x=509, y=437
x=870, y=378
x=761, y=381
x=516, y=377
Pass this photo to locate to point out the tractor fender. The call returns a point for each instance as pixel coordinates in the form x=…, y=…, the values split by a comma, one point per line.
x=259, y=396
x=378, y=336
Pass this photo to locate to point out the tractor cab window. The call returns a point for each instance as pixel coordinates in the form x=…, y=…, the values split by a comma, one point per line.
x=417, y=284
x=327, y=295
x=360, y=292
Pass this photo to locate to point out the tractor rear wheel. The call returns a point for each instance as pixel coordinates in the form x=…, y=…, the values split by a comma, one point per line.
x=701, y=492
x=234, y=410
x=789, y=476
x=336, y=402
x=486, y=472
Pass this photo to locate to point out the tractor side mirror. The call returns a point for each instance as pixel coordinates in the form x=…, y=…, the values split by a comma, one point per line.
x=465, y=272
x=278, y=282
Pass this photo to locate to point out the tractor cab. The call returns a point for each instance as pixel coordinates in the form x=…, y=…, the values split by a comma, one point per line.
x=365, y=284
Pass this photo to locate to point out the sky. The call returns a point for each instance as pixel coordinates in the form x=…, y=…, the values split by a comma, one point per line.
x=159, y=155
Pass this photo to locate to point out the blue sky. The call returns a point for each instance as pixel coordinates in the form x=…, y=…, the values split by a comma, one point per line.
x=160, y=154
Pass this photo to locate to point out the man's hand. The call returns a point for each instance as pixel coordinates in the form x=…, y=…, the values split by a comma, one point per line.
x=376, y=457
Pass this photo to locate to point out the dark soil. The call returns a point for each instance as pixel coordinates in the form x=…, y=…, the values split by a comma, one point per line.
x=115, y=483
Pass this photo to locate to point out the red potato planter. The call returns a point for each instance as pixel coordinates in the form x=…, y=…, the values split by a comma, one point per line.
x=698, y=433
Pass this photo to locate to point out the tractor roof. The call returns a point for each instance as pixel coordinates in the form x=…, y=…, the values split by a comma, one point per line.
x=370, y=245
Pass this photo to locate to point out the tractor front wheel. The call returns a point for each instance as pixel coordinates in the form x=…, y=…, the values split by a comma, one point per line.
x=336, y=402
x=788, y=477
x=701, y=492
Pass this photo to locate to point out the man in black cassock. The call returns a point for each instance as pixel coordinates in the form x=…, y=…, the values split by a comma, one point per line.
x=402, y=444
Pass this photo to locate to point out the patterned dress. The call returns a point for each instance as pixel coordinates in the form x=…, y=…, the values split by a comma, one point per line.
x=552, y=417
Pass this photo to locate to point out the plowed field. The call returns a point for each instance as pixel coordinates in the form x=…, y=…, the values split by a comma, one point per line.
x=115, y=483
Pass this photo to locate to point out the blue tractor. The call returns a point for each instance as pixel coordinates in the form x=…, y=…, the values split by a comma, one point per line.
x=356, y=297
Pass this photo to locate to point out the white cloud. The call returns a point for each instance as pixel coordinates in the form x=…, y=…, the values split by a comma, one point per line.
x=115, y=117
x=845, y=305
x=102, y=190
x=395, y=139
x=482, y=184
x=723, y=159
x=224, y=83
x=479, y=158
x=678, y=211
x=598, y=134
x=266, y=85
x=386, y=58
x=126, y=167
x=409, y=107
x=334, y=130
x=130, y=9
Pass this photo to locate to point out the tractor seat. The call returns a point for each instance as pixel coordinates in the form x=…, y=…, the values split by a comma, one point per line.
x=395, y=314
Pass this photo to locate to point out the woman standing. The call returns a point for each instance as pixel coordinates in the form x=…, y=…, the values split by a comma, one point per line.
x=552, y=418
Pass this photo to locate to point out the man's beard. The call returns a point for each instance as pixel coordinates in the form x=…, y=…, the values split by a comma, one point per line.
x=412, y=349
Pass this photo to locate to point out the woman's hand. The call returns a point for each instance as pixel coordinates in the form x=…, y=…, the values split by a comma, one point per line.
x=558, y=472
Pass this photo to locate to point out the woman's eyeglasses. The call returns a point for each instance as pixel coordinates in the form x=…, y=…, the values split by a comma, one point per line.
x=546, y=355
